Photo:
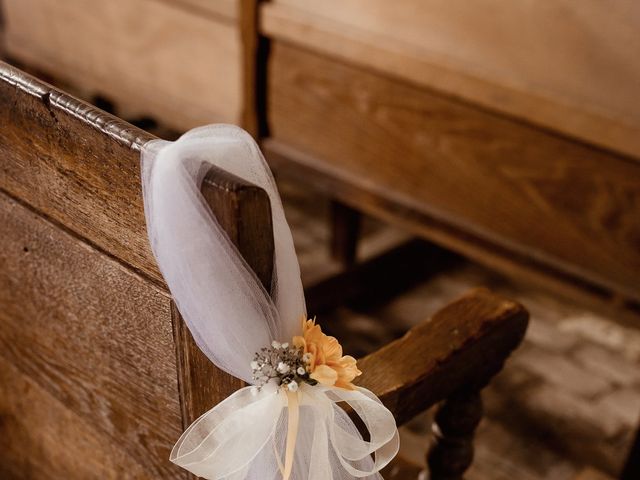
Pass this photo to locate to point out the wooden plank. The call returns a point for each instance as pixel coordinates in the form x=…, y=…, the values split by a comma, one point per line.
x=566, y=67
x=76, y=164
x=472, y=181
x=156, y=58
x=460, y=348
x=40, y=438
x=106, y=356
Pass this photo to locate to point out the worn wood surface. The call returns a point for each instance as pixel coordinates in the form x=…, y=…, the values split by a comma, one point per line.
x=566, y=66
x=76, y=165
x=171, y=60
x=243, y=210
x=40, y=438
x=462, y=346
x=509, y=195
x=87, y=351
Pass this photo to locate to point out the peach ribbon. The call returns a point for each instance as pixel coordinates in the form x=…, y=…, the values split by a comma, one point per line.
x=293, y=421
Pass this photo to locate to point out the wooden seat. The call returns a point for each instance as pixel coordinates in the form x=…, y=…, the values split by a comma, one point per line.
x=96, y=362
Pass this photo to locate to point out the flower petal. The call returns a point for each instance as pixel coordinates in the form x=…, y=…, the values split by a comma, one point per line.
x=325, y=375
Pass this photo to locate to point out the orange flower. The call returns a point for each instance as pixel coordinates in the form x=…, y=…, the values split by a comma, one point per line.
x=326, y=363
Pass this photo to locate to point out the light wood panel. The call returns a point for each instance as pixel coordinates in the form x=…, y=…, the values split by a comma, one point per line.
x=97, y=340
x=159, y=58
x=220, y=9
x=465, y=178
x=565, y=65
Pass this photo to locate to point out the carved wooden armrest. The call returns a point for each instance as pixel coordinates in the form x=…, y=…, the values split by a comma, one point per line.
x=450, y=356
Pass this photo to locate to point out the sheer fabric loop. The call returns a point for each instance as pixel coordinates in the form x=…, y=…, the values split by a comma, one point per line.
x=231, y=317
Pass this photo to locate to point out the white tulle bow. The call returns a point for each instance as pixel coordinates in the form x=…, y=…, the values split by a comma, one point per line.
x=254, y=434
x=245, y=436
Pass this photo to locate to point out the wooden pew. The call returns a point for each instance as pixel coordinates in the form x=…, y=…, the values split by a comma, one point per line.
x=98, y=373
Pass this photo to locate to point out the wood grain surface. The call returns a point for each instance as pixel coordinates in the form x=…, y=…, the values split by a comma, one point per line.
x=460, y=348
x=470, y=180
x=179, y=61
x=106, y=357
x=76, y=165
x=565, y=66
x=40, y=438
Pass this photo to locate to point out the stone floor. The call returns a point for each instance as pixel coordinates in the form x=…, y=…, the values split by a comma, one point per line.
x=567, y=399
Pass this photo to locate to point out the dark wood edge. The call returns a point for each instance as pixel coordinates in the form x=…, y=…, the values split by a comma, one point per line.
x=459, y=349
x=250, y=52
x=55, y=99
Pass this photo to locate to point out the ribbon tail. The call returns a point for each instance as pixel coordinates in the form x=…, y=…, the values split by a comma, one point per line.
x=293, y=424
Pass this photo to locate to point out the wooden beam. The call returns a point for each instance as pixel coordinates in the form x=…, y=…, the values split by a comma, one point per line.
x=511, y=196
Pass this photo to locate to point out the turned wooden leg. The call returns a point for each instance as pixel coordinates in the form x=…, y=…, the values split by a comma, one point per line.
x=631, y=469
x=345, y=230
x=454, y=427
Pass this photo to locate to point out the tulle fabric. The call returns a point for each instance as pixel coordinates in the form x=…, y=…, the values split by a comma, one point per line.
x=231, y=317
x=226, y=308
x=244, y=436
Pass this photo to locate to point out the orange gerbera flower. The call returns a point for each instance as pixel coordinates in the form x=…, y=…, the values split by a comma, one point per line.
x=326, y=363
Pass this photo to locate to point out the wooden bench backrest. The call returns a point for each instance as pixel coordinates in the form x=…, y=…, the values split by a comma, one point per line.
x=98, y=374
